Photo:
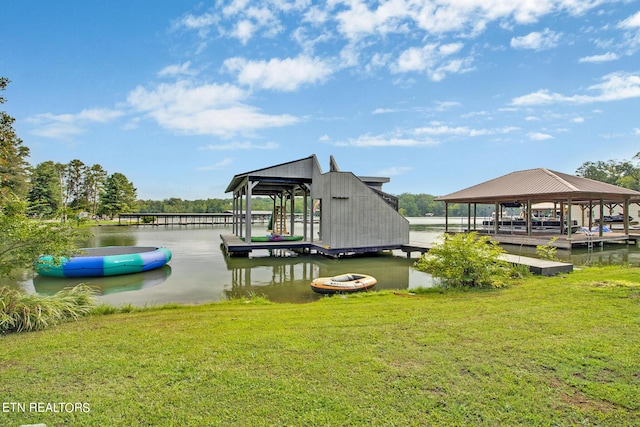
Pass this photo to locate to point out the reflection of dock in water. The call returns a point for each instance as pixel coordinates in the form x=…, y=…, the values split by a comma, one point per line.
x=103, y=285
x=289, y=278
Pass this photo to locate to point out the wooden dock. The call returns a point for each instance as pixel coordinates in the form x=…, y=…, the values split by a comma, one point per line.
x=234, y=246
x=562, y=241
x=540, y=267
x=536, y=266
x=182, y=219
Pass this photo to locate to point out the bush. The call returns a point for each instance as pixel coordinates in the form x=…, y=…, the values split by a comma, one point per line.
x=548, y=251
x=465, y=260
x=21, y=312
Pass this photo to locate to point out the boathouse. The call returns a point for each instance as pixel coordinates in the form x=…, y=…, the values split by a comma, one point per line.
x=341, y=213
x=528, y=188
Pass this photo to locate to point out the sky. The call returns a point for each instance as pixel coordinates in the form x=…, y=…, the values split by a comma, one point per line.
x=180, y=96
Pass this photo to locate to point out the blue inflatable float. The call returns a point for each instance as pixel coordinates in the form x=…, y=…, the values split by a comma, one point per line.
x=105, y=261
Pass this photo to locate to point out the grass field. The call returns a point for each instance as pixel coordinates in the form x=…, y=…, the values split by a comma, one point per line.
x=558, y=351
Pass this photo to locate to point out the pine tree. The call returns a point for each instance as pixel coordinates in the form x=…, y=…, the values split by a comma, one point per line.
x=14, y=168
x=119, y=195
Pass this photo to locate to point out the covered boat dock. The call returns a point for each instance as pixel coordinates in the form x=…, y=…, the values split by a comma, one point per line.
x=352, y=213
x=524, y=189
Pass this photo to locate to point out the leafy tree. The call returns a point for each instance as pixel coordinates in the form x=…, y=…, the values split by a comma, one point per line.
x=465, y=260
x=23, y=239
x=119, y=195
x=44, y=196
x=624, y=174
x=14, y=168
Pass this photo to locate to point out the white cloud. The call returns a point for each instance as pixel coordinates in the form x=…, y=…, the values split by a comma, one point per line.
x=443, y=130
x=220, y=165
x=358, y=20
x=385, y=141
x=394, y=171
x=315, y=16
x=246, y=145
x=196, y=22
x=605, y=57
x=177, y=70
x=432, y=59
x=64, y=126
x=631, y=22
x=208, y=109
x=446, y=105
x=538, y=136
x=235, y=6
x=546, y=39
x=578, y=120
x=614, y=87
x=424, y=136
x=279, y=74
x=384, y=111
x=244, y=30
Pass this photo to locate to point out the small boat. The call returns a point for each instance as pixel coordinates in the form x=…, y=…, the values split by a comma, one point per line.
x=105, y=261
x=615, y=218
x=275, y=238
x=344, y=283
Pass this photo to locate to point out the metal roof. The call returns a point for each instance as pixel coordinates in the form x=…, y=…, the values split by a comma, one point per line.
x=540, y=185
x=274, y=179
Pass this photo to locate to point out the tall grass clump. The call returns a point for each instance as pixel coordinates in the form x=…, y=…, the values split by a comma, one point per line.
x=465, y=260
x=22, y=312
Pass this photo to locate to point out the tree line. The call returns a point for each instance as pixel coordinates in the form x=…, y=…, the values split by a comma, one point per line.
x=56, y=189
x=62, y=189
x=621, y=173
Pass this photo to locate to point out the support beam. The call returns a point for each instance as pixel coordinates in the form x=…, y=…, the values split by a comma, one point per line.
x=292, y=218
x=569, y=218
x=446, y=217
x=529, y=219
x=249, y=189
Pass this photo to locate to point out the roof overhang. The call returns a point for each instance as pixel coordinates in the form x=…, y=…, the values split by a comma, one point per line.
x=541, y=185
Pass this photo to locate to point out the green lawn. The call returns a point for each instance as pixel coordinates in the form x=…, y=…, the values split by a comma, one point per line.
x=544, y=351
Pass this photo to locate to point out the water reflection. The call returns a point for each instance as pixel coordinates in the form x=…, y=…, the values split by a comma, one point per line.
x=103, y=285
x=288, y=278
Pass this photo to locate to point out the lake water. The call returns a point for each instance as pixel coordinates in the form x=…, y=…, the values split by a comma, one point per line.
x=199, y=272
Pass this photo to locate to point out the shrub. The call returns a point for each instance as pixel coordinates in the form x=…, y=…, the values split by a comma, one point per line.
x=465, y=260
x=21, y=312
x=548, y=251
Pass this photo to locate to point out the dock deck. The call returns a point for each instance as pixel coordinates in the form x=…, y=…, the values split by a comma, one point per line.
x=562, y=241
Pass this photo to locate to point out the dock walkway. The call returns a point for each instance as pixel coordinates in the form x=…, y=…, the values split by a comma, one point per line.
x=536, y=266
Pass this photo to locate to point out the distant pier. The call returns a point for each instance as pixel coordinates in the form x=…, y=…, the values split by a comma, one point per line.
x=181, y=219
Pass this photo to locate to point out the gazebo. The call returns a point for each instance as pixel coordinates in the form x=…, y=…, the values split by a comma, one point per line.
x=528, y=187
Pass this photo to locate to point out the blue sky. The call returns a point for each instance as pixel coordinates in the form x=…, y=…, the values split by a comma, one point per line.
x=180, y=96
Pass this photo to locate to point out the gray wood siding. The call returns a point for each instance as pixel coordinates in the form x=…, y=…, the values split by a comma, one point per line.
x=354, y=216
x=299, y=169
